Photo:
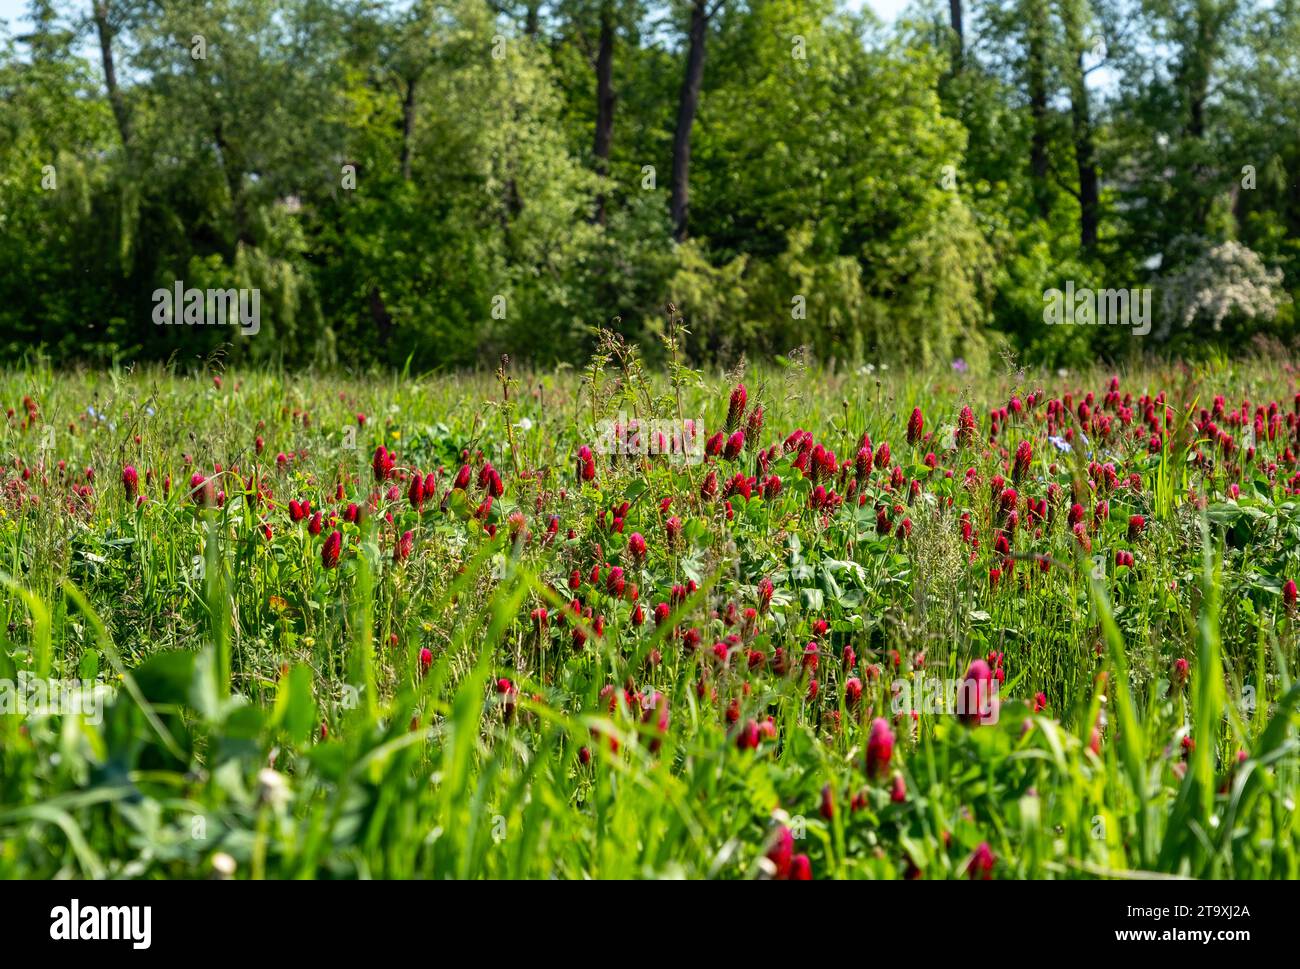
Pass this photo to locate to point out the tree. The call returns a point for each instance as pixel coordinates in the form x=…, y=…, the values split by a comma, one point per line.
x=688, y=101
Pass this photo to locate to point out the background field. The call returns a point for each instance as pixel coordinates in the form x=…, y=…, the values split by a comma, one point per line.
x=401, y=714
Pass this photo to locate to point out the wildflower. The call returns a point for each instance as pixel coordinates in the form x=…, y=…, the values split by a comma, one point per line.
x=507, y=691
x=130, y=482
x=781, y=852
x=981, y=863
x=915, y=426
x=977, y=699
x=403, y=546
x=966, y=427
x=200, y=489
x=615, y=583
x=880, y=747
x=1024, y=457
x=329, y=553
x=383, y=463
x=636, y=545
x=754, y=427
x=736, y=408
x=852, y=691
x=898, y=793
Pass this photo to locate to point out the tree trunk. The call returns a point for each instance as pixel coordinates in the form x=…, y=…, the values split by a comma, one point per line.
x=1085, y=161
x=1085, y=153
x=379, y=315
x=954, y=19
x=604, y=105
x=687, y=104
x=1036, y=54
x=115, y=98
x=232, y=168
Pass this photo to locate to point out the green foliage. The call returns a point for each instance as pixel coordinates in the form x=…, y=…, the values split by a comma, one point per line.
x=422, y=184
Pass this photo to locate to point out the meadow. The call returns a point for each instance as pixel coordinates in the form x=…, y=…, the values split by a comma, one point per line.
x=851, y=623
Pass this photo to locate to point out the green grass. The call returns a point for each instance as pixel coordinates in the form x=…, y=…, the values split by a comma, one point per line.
x=271, y=717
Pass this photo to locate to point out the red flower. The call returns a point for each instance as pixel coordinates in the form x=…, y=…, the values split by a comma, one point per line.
x=329, y=553
x=976, y=699
x=200, y=489
x=131, y=482
x=754, y=426
x=898, y=793
x=402, y=548
x=747, y=739
x=1136, y=526
x=1024, y=457
x=781, y=852
x=415, y=492
x=1289, y=594
x=426, y=659
x=507, y=691
x=735, y=445
x=636, y=545
x=827, y=808
x=981, y=863
x=915, y=426
x=383, y=463
x=709, y=486
x=736, y=408
x=862, y=463
x=586, y=464
x=615, y=583
x=852, y=691
x=800, y=869
x=880, y=747
x=966, y=427
x=673, y=531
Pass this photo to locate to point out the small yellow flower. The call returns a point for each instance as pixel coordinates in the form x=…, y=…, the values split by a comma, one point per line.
x=395, y=435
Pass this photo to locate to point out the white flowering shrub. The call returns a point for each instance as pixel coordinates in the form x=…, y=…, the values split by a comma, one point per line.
x=1226, y=283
